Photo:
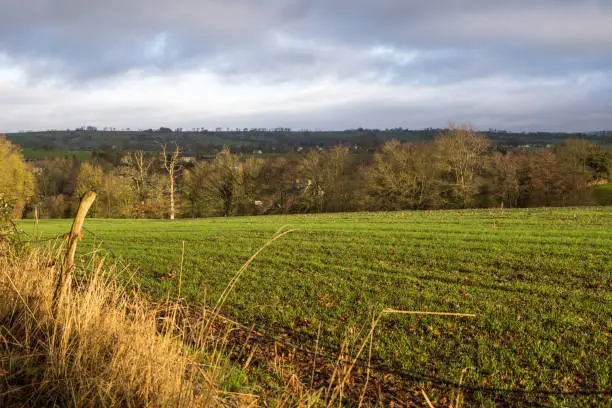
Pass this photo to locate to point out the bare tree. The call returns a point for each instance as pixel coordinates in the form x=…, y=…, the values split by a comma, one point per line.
x=327, y=180
x=140, y=177
x=404, y=176
x=461, y=149
x=502, y=184
x=225, y=185
x=170, y=162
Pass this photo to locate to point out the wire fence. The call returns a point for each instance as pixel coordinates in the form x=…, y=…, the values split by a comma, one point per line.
x=376, y=366
x=383, y=368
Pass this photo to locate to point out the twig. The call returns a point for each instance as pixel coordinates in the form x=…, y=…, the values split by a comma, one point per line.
x=416, y=312
x=181, y=271
x=429, y=404
x=314, y=360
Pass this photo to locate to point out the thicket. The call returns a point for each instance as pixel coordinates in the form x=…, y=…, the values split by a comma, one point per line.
x=16, y=181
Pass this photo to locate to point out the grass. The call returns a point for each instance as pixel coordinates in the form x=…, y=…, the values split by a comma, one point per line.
x=603, y=194
x=52, y=154
x=539, y=281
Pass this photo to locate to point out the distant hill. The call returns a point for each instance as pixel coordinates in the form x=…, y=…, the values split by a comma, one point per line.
x=268, y=141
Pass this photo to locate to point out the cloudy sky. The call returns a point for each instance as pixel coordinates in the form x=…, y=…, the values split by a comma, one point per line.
x=329, y=64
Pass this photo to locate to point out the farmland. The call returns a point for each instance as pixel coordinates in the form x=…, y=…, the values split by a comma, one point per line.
x=539, y=281
x=39, y=154
x=269, y=140
x=603, y=194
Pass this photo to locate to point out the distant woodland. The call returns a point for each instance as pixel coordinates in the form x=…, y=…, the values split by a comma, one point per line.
x=454, y=168
x=205, y=142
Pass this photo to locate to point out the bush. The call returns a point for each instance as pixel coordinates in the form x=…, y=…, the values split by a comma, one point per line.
x=16, y=181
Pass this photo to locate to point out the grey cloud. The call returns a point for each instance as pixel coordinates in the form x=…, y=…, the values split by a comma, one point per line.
x=86, y=38
x=454, y=22
x=563, y=116
x=92, y=37
x=379, y=114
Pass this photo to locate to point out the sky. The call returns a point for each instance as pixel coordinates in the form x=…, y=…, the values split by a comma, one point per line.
x=315, y=64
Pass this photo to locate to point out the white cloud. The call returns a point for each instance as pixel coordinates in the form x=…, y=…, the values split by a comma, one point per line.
x=393, y=55
x=202, y=98
x=156, y=47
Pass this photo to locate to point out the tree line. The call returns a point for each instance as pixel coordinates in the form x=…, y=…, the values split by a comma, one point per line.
x=278, y=140
x=460, y=168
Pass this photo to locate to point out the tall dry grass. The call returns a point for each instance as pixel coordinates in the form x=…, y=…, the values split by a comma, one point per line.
x=103, y=347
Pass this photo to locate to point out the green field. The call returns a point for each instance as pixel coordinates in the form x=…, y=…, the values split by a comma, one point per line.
x=40, y=154
x=603, y=194
x=539, y=280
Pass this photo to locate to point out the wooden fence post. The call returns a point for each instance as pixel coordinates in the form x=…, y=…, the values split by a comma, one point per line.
x=65, y=277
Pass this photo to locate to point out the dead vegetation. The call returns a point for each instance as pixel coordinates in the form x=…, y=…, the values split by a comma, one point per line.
x=103, y=347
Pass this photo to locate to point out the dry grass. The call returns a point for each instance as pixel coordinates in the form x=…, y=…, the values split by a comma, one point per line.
x=102, y=348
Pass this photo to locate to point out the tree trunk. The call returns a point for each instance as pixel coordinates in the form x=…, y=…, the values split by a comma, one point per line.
x=170, y=164
x=172, y=195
